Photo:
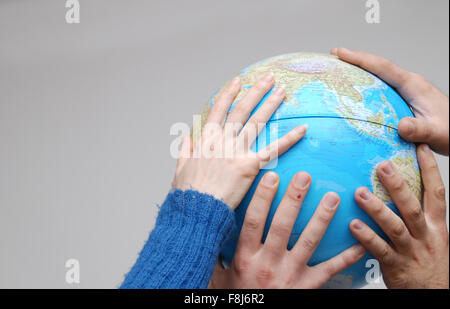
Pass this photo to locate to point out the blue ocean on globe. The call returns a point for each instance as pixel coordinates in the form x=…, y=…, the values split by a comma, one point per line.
x=352, y=119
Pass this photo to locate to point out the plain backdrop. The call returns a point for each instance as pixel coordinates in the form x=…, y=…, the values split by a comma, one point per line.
x=85, y=109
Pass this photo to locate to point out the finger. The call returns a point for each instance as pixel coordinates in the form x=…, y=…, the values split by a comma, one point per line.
x=186, y=147
x=417, y=130
x=404, y=199
x=221, y=107
x=257, y=122
x=244, y=108
x=283, y=221
x=218, y=277
x=373, y=243
x=316, y=227
x=389, y=222
x=383, y=68
x=280, y=146
x=434, y=195
x=185, y=151
x=256, y=215
x=335, y=265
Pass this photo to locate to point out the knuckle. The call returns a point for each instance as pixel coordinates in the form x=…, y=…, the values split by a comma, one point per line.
x=431, y=247
x=252, y=223
x=351, y=257
x=324, y=216
x=264, y=274
x=398, y=230
x=439, y=193
x=294, y=195
x=432, y=166
x=330, y=269
x=371, y=239
x=241, y=264
x=227, y=92
x=415, y=213
x=261, y=86
x=378, y=209
x=405, y=197
x=240, y=108
x=398, y=185
x=308, y=244
x=385, y=255
x=280, y=229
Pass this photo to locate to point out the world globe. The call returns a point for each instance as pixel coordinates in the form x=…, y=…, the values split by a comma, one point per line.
x=352, y=119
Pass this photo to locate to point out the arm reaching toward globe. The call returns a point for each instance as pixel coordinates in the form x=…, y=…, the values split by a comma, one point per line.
x=271, y=265
x=196, y=217
x=418, y=255
x=430, y=106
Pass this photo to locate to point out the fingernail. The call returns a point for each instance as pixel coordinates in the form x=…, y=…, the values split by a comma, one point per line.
x=268, y=77
x=280, y=92
x=388, y=168
x=409, y=128
x=359, y=249
x=357, y=225
x=331, y=200
x=364, y=194
x=270, y=179
x=302, y=129
x=301, y=180
x=426, y=148
x=334, y=51
x=235, y=81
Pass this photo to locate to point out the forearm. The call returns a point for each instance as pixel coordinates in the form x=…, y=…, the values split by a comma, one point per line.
x=183, y=247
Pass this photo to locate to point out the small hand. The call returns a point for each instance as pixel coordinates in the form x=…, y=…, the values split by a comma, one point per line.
x=430, y=106
x=221, y=162
x=271, y=265
x=418, y=256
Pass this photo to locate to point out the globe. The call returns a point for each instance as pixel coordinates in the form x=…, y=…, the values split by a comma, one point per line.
x=352, y=119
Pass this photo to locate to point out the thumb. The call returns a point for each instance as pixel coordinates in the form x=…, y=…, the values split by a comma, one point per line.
x=420, y=131
x=415, y=130
x=218, y=278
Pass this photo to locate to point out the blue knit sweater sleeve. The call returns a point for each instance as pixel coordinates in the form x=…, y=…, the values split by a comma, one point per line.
x=184, y=245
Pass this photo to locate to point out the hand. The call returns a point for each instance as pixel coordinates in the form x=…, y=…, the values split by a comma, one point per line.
x=418, y=255
x=221, y=162
x=271, y=265
x=430, y=106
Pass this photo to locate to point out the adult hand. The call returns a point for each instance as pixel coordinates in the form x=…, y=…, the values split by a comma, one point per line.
x=430, y=106
x=221, y=163
x=271, y=265
x=418, y=255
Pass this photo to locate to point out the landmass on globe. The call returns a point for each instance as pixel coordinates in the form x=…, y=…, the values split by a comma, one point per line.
x=353, y=118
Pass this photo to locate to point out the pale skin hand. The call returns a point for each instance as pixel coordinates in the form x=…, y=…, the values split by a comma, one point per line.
x=271, y=265
x=221, y=162
x=418, y=255
x=430, y=106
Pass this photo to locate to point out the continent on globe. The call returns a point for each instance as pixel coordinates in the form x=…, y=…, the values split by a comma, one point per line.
x=352, y=117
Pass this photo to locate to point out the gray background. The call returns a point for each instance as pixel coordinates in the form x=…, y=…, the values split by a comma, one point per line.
x=85, y=110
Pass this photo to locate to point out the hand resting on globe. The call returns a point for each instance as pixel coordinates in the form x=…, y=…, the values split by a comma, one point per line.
x=271, y=265
x=418, y=255
x=207, y=167
x=430, y=106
